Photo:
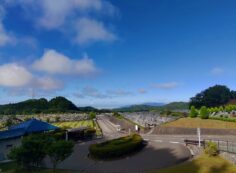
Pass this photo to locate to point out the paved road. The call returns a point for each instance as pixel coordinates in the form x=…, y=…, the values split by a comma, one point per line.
x=109, y=129
x=154, y=156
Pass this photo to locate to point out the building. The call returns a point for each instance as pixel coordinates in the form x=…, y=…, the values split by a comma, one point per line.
x=12, y=137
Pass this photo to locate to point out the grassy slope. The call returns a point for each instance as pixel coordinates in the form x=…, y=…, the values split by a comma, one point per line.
x=75, y=124
x=197, y=122
x=203, y=164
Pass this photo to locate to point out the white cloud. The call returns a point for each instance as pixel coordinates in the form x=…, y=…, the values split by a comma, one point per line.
x=70, y=16
x=17, y=80
x=57, y=63
x=89, y=30
x=5, y=37
x=217, y=71
x=170, y=85
x=55, y=14
x=13, y=75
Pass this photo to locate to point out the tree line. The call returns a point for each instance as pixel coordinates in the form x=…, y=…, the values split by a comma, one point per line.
x=218, y=95
x=37, y=106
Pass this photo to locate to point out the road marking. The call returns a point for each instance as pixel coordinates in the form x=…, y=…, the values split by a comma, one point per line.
x=158, y=140
x=174, y=142
x=146, y=139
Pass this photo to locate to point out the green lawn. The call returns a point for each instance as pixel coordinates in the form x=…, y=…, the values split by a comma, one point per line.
x=203, y=164
x=202, y=123
x=75, y=124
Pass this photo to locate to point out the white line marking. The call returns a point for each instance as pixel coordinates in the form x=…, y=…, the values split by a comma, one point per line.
x=146, y=140
x=174, y=142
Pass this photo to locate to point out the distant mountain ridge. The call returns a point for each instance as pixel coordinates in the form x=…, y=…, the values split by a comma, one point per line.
x=161, y=107
x=42, y=105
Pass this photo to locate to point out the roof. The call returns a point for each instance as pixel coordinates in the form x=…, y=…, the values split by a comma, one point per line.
x=27, y=127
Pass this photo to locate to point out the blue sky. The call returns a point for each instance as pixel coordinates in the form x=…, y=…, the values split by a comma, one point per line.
x=110, y=53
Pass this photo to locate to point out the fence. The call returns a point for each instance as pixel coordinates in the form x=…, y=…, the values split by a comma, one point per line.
x=225, y=146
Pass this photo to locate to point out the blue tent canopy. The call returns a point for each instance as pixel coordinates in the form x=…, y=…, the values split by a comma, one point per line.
x=27, y=127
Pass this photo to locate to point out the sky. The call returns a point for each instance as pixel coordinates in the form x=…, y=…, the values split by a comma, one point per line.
x=111, y=53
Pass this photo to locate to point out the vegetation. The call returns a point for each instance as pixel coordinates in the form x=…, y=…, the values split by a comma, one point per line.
x=34, y=149
x=197, y=122
x=211, y=149
x=193, y=112
x=36, y=106
x=215, y=96
x=203, y=164
x=59, y=151
x=204, y=114
x=75, y=124
x=92, y=115
x=117, y=147
x=117, y=115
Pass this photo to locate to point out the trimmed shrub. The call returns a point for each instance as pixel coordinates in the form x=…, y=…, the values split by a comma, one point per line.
x=211, y=149
x=193, y=112
x=204, y=114
x=117, y=147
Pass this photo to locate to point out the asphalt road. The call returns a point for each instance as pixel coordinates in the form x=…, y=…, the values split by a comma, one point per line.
x=157, y=154
x=108, y=128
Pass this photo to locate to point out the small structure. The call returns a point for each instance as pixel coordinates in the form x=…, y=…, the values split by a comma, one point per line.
x=12, y=137
x=82, y=133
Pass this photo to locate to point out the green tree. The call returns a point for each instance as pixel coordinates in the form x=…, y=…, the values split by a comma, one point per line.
x=204, y=114
x=31, y=152
x=212, y=97
x=193, y=112
x=59, y=151
x=92, y=115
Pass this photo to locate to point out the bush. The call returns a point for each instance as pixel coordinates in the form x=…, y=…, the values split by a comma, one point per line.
x=204, y=114
x=116, y=148
x=211, y=149
x=193, y=112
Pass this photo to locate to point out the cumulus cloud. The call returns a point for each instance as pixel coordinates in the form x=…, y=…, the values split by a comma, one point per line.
x=166, y=86
x=13, y=75
x=217, y=71
x=17, y=80
x=70, y=15
x=89, y=30
x=56, y=63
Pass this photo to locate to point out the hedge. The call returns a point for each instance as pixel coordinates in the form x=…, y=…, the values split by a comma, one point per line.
x=117, y=147
x=224, y=119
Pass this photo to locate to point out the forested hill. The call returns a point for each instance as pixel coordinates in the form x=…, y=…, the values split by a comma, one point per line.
x=36, y=106
x=142, y=107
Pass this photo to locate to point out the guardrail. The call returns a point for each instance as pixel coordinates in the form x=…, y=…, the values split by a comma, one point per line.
x=223, y=146
x=194, y=142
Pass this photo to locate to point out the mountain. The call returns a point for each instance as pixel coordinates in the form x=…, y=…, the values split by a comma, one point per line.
x=154, y=104
x=143, y=107
x=37, y=106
